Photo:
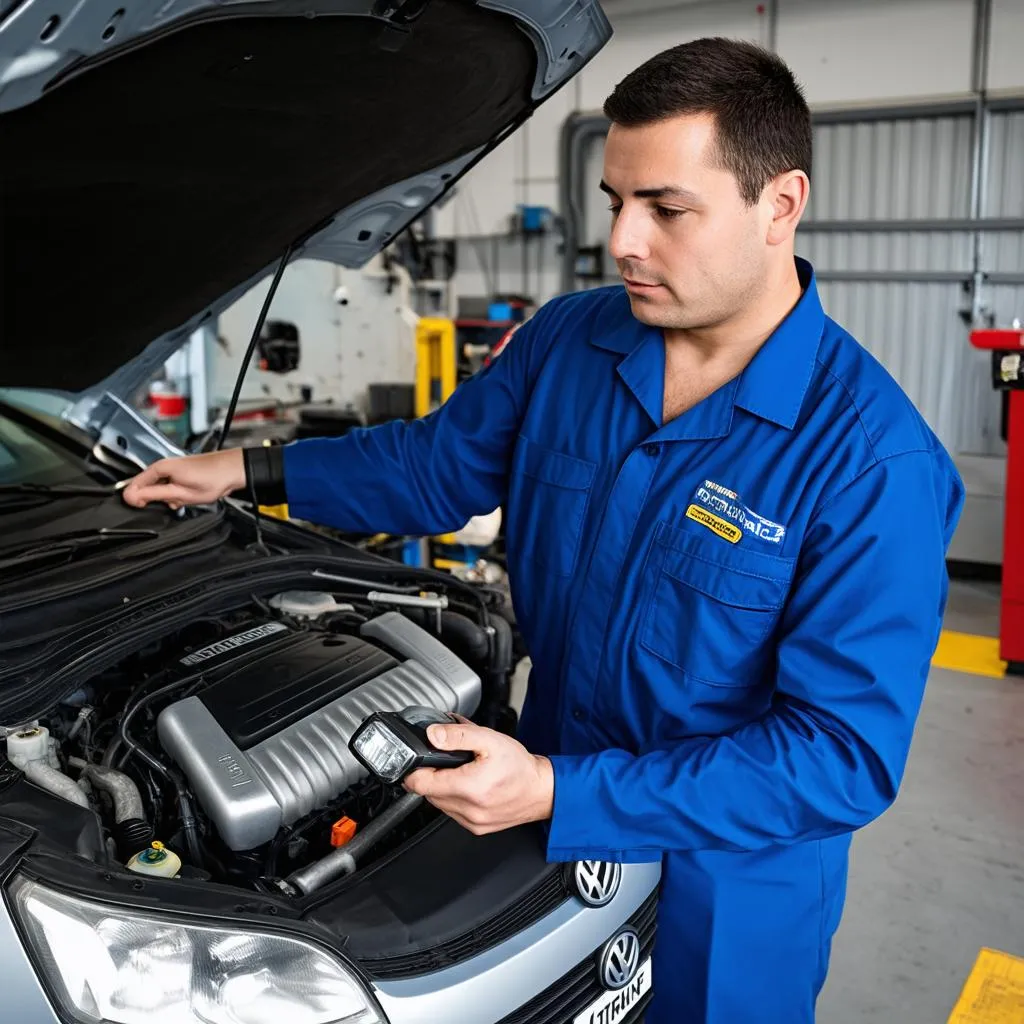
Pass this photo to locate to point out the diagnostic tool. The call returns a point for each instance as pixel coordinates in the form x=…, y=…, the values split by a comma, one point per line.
x=391, y=744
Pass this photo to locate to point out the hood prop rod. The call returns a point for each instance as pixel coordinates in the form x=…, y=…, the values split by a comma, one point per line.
x=253, y=342
x=232, y=405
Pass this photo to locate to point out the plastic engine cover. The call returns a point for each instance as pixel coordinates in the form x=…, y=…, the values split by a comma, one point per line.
x=267, y=741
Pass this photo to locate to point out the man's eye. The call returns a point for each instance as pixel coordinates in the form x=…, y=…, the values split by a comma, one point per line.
x=668, y=213
x=614, y=210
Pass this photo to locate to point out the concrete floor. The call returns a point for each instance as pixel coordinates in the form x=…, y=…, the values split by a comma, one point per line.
x=941, y=874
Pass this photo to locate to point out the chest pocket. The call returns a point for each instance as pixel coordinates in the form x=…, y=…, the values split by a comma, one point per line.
x=554, y=492
x=713, y=606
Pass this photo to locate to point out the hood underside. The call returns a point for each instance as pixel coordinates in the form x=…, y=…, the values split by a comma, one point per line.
x=142, y=189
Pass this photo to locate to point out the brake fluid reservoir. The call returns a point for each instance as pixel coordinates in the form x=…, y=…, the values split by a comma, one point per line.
x=156, y=860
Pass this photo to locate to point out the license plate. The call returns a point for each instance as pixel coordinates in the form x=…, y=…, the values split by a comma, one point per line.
x=612, y=1007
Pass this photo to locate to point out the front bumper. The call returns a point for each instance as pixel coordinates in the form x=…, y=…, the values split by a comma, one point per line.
x=544, y=974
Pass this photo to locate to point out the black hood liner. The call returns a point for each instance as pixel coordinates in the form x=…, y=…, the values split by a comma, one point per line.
x=147, y=188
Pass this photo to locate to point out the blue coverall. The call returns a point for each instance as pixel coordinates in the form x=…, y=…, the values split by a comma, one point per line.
x=730, y=615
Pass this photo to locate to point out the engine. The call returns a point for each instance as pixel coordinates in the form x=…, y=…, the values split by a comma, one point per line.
x=224, y=743
x=264, y=741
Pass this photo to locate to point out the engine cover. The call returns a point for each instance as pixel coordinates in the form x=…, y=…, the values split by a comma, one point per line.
x=266, y=742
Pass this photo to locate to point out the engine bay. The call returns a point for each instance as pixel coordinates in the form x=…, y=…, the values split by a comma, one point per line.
x=220, y=752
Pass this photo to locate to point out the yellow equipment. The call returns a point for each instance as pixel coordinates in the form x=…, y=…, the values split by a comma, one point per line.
x=435, y=363
x=436, y=374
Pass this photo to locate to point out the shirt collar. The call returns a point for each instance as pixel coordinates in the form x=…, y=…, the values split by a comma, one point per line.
x=775, y=381
x=618, y=330
x=772, y=386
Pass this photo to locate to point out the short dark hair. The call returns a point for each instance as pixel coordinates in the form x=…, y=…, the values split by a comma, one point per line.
x=762, y=122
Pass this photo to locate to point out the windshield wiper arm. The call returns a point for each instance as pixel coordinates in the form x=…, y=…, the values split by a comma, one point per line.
x=62, y=490
x=70, y=544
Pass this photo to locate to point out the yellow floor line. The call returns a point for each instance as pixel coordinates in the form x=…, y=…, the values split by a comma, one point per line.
x=964, y=652
x=993, y=992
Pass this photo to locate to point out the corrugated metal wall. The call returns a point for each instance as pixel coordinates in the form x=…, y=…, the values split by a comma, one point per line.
x=908, y=169
x=1003, y=251
x=1004, y=195
x=892, y=170
x=915, y=331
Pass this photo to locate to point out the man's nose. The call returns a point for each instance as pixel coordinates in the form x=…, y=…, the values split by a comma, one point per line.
x=628, y=240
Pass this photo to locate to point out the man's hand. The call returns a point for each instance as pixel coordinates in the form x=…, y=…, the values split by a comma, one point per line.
x=193, y=480
x=504, y=786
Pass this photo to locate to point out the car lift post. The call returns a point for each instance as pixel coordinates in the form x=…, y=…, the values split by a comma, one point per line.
x=1007, y=347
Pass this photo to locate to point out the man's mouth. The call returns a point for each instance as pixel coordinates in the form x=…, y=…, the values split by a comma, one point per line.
x=640, y=286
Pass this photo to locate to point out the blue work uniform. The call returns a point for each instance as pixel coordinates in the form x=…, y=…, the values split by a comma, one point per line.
x=730, y=615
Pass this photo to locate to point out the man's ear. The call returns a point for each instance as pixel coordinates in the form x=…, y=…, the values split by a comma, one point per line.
x=788, y=195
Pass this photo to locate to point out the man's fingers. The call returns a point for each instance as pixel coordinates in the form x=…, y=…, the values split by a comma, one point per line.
x=460, y=737
x=429, y=783
x=136, y=490
x=422, y=781
x=439, y=783
x=172, y=494
x=150, y=475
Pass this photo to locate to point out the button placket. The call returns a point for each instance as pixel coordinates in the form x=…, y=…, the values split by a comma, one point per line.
x=589, y=633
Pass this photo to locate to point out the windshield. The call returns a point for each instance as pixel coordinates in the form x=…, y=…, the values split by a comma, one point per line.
x=26, y=457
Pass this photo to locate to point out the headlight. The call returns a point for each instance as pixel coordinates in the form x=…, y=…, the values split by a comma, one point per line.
x=116, y=965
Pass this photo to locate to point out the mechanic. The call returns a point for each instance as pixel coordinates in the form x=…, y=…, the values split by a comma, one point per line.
x=726, y=528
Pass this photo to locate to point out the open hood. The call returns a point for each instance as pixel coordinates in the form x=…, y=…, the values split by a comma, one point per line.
x=160, y=157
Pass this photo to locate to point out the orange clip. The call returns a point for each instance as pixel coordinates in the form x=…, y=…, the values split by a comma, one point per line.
x=342, y=831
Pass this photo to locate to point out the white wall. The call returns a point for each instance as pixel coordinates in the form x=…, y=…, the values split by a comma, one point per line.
x=875, y=52
x=1006, y=52
x=342, y=348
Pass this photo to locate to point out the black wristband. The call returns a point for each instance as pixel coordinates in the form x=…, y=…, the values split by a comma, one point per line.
x=264, y=473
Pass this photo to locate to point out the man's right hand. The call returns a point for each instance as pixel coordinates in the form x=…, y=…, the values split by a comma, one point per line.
x=191, y=480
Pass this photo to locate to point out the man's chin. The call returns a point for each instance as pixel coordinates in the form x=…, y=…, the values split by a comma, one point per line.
x=649, y=310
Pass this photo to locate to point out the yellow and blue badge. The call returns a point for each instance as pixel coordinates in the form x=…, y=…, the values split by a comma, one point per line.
x=722, y=512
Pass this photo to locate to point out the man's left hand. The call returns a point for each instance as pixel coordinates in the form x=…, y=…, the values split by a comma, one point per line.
x=505, y=785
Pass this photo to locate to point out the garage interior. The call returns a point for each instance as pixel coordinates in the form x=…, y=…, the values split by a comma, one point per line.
x=916, y=231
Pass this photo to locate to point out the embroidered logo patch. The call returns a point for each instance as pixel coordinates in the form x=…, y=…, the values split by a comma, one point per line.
x=727, y=531
x=726, y=507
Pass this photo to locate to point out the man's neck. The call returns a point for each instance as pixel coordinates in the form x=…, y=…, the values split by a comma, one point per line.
x=742, y=335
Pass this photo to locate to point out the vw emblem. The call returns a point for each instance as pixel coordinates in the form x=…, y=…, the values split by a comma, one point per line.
x=596, y=882
x=620, y=959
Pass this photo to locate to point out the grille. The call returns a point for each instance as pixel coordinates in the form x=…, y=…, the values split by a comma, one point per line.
x=545, y=897
x=574, y=991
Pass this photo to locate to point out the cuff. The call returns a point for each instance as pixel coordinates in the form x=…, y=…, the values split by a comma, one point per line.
x=582, y=827
x=264, y=473
x=569, y=812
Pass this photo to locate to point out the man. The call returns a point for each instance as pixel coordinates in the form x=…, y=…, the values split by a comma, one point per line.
x=726, y=530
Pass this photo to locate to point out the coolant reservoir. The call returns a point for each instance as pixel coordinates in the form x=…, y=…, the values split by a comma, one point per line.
x=156, y=860
x=27, y=745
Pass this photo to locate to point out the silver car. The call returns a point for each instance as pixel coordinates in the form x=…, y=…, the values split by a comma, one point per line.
x=185, y=832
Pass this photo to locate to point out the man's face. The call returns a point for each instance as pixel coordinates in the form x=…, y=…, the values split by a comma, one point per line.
x=691, y=253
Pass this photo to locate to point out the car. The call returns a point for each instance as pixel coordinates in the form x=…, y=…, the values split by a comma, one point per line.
x=185, y=832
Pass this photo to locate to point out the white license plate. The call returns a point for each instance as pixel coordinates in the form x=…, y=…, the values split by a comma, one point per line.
x=612, y=1007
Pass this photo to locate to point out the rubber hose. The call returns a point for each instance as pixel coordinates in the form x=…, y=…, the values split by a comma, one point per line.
x=54, y=782
x=456, y=628
x=123, y=792
x=461, y=633
x=500, y=689
x=132, y=831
